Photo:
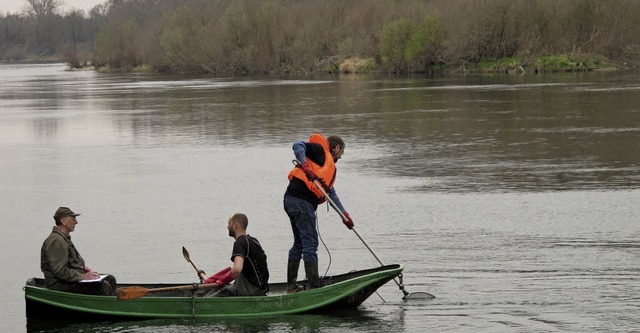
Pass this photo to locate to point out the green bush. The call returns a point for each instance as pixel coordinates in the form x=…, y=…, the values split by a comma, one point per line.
x=425, y=44
x=394, y=39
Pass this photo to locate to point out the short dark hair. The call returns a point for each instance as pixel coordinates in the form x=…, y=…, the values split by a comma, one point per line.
x=242, y=220
x=334, y=141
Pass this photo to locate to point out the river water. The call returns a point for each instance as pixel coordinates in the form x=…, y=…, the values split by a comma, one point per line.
x=515, y=200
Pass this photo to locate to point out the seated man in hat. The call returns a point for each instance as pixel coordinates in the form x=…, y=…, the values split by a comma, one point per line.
x=63, y=267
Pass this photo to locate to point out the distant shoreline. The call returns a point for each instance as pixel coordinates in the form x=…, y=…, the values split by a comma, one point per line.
x=301, y=37
x=502, y=66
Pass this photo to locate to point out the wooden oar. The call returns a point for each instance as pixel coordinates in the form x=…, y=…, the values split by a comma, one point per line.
x=344, y=218
x=200, y=272
x=134, y=292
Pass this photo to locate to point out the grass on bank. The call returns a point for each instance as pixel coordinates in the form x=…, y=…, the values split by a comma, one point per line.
x=508, y=65
x=544, y=63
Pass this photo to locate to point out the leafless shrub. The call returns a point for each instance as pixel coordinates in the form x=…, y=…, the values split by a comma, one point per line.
x=300, y=35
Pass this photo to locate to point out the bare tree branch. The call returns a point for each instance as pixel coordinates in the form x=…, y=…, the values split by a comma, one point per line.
x=41, y=8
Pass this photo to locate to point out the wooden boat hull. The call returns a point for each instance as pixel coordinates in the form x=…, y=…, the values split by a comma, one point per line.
x=342, y=291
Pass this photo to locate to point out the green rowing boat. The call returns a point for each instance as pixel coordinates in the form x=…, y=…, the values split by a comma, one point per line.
x=340, y=291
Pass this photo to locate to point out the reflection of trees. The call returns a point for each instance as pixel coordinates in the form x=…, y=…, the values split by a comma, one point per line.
x=474, y=133
x=45, y=128
x=340, y=321
x=517, y=139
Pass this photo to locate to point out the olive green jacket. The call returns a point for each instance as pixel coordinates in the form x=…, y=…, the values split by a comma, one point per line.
x=59, y=260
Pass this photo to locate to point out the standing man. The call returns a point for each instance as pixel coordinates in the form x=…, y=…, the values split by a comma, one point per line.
x=317, y=157
x=249, y=269
x=63, y=267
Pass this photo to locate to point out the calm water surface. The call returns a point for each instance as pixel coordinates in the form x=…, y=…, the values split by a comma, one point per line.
x=515, y=200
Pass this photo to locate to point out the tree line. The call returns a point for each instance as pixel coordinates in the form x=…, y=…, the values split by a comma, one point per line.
x=302, y=36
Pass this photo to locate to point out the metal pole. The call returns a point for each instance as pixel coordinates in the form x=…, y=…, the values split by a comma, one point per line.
x=344, y=218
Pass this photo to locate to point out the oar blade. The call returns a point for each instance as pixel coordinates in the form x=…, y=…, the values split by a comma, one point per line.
x=127, y=293
x=185, y=253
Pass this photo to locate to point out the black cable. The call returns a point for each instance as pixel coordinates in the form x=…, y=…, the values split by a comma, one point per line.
x=323, y=244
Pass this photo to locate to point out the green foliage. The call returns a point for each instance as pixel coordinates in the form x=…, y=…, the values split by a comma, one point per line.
x=425, y=44
x=554, y=63
x=394, y=39
x=346, y=48
x=115, y=46
x=569, y=62
x=408, y=47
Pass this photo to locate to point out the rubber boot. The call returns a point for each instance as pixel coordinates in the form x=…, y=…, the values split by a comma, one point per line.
x=311, y=269
x=292, y=276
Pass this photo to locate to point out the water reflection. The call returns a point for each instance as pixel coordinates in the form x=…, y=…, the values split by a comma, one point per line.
x=516, y=196
x=348, y=320
x=471, y=134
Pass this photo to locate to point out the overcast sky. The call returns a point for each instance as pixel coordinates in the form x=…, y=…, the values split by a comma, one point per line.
x=14, y=6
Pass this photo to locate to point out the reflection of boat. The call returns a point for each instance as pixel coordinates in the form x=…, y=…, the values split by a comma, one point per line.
x=340, y=291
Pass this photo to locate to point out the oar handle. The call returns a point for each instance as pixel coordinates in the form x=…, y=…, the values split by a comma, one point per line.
x=200, y=272
x=194, y=286
x=134, y=292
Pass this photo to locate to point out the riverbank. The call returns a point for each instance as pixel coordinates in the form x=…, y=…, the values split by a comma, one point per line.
x=356, y=65
x=510, y=65
x=303, y=37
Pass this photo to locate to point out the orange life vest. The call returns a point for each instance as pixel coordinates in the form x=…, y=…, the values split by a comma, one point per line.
x=326, y=173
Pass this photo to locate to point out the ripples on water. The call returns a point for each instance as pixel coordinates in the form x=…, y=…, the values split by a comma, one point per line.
x=513, y=199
